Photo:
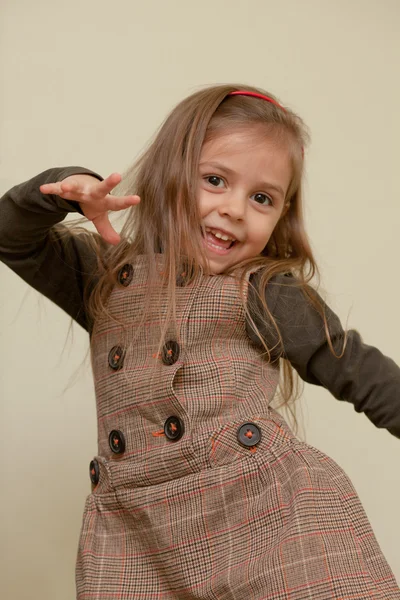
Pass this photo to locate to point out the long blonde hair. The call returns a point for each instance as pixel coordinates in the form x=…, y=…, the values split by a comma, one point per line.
x=167, y=221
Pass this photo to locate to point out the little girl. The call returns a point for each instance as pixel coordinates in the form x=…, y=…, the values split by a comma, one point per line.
x=200, y=489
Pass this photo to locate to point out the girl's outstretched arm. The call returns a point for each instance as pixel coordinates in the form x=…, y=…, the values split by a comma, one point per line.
x=363, y=376
x=57, y=264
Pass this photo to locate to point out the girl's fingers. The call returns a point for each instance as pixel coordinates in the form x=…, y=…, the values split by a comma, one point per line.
x=89, y=190
x=106, y=230
x=51, y=188
x=71, y=190
x=116, y=203
x=102, y=188
x=84, y=187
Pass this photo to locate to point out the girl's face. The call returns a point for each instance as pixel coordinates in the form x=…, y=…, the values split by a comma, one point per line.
x=244, y=176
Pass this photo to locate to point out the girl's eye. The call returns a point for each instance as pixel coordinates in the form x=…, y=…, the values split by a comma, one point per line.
x=215, y=180
x=262, y=199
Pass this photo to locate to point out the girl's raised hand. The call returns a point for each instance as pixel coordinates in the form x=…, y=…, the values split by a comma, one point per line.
x=95, y=200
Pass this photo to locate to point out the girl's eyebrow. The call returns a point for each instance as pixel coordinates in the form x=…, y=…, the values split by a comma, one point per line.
x=264, y=184
x=216, y=165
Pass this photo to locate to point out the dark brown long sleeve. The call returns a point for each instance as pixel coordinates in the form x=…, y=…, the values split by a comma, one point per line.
x=363, y=376
x=58, y=266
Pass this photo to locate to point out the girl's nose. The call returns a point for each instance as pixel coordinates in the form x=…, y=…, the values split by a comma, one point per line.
x=233, y=207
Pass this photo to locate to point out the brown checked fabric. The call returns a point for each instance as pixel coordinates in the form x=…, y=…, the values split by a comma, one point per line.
x=203, y=491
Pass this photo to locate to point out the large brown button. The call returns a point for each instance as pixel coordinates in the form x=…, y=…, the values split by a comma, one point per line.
x=94, y=472
x=125, y=275
x=170, y=352
x=116, y=441
x=174, y=428
x=116, y=357
x=249, y=434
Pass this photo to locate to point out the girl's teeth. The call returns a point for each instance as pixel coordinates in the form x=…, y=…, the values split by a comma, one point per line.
x=219, y=235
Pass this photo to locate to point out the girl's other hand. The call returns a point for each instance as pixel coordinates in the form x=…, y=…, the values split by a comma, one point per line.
x=95, y=200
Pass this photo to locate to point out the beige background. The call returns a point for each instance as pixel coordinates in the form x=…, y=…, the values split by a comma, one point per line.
x=87, y=83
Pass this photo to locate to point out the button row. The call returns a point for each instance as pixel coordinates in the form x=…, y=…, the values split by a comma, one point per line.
x=248, y=435
x=125, y=276
x=169, y=355
x=173, y=429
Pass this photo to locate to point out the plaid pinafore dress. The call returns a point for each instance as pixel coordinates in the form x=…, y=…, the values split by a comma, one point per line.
x=200, y=489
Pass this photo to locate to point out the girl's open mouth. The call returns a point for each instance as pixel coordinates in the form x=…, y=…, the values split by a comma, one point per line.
x=217, y=241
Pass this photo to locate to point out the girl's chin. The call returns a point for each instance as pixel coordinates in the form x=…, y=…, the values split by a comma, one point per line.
x=216, y=266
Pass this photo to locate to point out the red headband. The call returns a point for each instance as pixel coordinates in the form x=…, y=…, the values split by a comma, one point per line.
x=257, y=95
x=267, y=98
